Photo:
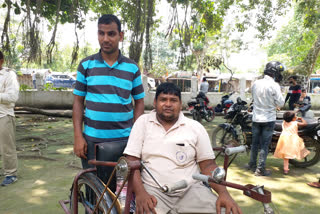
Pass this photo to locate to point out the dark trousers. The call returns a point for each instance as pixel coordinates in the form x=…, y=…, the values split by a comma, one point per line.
x=261, y=138
x=291, y=105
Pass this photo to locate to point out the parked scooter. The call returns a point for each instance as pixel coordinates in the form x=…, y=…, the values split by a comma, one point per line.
x=237, y=131
x=199, y=108
x=224, y=104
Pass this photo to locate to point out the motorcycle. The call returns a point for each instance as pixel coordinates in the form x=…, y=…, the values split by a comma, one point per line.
x=237, y=131
x=199, y=108
x=224, y=104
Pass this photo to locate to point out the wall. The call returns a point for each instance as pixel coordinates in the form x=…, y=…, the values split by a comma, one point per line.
x=46, y=99
x=64, y=99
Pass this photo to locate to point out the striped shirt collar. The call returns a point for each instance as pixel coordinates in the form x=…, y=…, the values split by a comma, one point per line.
x=99, y=57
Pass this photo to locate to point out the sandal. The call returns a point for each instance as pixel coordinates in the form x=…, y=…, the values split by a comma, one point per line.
x=286, y=172
x=314, y=184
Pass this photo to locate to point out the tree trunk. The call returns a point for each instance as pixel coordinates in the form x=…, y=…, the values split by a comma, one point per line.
x=52, y=42
x=148, y=50
x=135, y=48
x=5, y=42
x=66, y=113
x=307, y=65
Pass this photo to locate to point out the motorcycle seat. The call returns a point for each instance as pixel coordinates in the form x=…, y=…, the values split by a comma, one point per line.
x=278, y=127
x=311, y=124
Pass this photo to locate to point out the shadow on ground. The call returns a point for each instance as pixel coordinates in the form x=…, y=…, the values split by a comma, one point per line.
x=47, y=166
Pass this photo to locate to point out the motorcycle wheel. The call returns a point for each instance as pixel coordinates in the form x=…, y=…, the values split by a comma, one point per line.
x=221, y=137
x=196, y=116
x=210, y=115
x=314, y=147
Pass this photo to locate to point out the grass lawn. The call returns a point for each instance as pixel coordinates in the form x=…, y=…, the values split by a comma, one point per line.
x=47, y=167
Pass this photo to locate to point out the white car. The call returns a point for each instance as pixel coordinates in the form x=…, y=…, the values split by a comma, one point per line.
x=61, y=80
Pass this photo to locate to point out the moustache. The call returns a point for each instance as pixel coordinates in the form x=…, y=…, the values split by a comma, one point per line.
x=106, y=44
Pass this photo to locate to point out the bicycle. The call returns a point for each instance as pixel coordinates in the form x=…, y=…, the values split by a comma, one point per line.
x=106, y=201
x=219, y=176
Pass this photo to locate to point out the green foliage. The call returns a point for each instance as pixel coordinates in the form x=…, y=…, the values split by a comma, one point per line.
x=191, y=31
x=310, y=12
x=49, y=87
x=70, y=11
x=19, y=73
x=159, y=70
x=24, y=87
x=293, y=43
x=265, y=12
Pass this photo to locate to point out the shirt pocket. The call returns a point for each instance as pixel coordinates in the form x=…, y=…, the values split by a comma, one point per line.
x=182, y=154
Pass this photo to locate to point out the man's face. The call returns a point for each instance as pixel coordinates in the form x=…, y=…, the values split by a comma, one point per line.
x=109, y=37
x=168, y=107
x=292, y=81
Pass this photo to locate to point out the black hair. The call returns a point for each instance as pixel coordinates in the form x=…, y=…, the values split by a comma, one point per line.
x=303, y=90
x=168, y=88
x=294, y=77
x=1, y=55
x=107, y=19
x=288, y=116
x=204, y=79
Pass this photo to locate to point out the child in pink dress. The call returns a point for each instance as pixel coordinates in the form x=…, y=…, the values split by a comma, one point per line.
x=290, y=145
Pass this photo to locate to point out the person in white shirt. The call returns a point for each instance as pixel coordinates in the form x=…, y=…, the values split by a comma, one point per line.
x=267, y=96
x=34, y=79
x=204, y=86
x=9, y=93
x=174, y=147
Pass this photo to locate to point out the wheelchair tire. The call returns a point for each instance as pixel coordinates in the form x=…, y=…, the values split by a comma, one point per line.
x=92, y=182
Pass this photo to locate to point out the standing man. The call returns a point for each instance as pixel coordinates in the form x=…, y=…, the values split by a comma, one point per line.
x=294, y=92
x=204, y=86
x=34, y=79
x=267, y=97
x=174, y=148
x=106, y=81
x=9, y=94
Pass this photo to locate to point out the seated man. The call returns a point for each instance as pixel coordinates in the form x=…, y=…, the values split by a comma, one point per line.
x=174, y=147
x=304, y=107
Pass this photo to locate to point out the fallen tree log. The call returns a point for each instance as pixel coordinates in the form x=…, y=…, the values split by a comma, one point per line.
x=51, y=113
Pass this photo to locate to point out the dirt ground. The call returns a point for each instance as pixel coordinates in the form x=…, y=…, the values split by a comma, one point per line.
x=47, y=167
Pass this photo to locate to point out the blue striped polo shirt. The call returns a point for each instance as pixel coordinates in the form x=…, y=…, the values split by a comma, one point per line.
x=108, y=92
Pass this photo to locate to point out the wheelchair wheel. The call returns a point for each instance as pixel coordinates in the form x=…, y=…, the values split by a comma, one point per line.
x=90, y=188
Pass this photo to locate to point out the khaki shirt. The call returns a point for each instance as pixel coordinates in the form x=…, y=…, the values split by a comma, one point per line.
x=170, y=155
x=9, y=91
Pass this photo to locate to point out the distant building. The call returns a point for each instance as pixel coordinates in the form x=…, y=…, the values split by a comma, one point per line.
x=219, y=82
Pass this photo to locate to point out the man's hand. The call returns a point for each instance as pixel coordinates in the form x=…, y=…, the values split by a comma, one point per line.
x=80, y=147
x=145, y=203
x=225, y=200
